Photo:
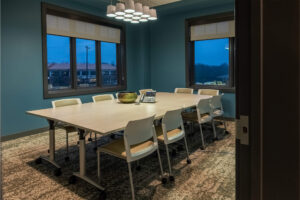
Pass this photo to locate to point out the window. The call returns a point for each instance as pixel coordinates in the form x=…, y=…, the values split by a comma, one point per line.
x=212, y=62
x=109, y=64
x=81, y=57
x=58, y=63
x=210, y=52
x=86, y=63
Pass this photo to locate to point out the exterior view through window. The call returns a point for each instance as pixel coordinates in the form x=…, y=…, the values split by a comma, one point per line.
x=109, y=63
x=58, y=58
x=59, y=63
x=86, y=63
x=212, y=62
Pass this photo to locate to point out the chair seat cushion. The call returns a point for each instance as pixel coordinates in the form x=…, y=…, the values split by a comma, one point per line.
x=194, y=117
x=171, y=134
x=218, y=113
x=117, y=148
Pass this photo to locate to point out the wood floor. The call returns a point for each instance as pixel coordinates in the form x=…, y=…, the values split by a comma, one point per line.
x=210, y=176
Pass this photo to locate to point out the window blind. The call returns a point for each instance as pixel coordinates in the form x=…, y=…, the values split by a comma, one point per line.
x=73, y=28
x=217, y=30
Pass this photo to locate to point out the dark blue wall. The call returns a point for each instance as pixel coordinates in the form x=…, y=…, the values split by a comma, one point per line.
x=167, y=52
x=154, y=57
x=22, y=84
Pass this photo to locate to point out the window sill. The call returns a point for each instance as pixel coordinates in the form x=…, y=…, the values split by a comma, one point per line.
x=223, y=89
x=81, y=91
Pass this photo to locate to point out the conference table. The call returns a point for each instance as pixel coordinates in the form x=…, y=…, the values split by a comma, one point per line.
x=107, y=117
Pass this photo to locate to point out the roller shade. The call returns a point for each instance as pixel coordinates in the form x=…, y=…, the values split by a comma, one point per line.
x=217, y=30
x=79, y=29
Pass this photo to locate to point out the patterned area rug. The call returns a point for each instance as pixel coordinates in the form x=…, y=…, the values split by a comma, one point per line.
x=211, y=175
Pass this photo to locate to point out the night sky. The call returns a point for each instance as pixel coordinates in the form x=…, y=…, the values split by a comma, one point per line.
x=58, y=50
x=212, y=52
x=208, y=52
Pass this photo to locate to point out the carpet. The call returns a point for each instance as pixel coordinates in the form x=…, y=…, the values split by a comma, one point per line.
x=210, y=176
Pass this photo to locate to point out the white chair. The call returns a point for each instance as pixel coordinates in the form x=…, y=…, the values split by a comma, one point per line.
x=139, y=141
x=184, y=90
x=99, y=98
x=103, y=97
x=69, y=129
x=208, y=92
x=202, y=116
x=217, y=109
x=143, y=91
x=170, y=131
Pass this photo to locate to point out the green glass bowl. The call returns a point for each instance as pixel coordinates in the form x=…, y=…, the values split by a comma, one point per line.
x=127, y=97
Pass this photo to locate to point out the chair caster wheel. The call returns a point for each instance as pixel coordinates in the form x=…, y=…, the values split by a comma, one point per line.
x=57, y=172
x=102, y=195
x=67, y=158
x=180, y=148
x=188, y=161
x=112, y=136
x=215, y=139
x=138, y=168
x=90, y=139
x=202, y=147
x=226, y=132
x=38, y=161
x=174, y=153
x=72, y=179
x=171, y=178
x=164, y=181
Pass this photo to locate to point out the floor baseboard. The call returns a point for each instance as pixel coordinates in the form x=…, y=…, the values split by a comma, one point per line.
x=23, y=134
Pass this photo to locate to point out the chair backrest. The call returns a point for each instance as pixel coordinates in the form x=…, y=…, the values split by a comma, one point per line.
x=103, y=97
x=216, y=102
x=184, y=90
x=203, y=107
x=208, y=92
x=143, y=91
x=172, y=119
x=66, y=102
x=137, y=132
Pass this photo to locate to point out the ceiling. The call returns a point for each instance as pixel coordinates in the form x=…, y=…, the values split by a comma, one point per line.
x=167, y=6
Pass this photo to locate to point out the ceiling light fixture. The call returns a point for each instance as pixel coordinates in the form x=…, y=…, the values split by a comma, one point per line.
x=120, y=9
x=111, y=10
x=153, y=15
x=129, y=6
x=130, y=11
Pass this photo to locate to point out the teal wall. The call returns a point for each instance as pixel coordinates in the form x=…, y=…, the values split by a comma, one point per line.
x=22, y=83
x=154, y=57
x=167, y=52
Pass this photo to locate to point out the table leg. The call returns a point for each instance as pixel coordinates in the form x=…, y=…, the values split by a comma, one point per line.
x=51, y=158
x=82, y=161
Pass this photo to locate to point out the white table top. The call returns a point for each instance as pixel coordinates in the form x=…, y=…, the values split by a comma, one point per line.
x=110, y=116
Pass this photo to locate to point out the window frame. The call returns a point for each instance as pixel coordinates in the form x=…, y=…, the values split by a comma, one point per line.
x=75, y=91
x=190, y=52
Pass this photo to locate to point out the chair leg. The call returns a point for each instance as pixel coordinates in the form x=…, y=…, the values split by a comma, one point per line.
x=90, y=138
x=225, y=126
x=98, y=168
x=131, y=181
x=95, y=142
x=202, y=137
x=160, y=164
x=169, y=162
x=67, y=147
x=187, y=151
x=214, y=128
